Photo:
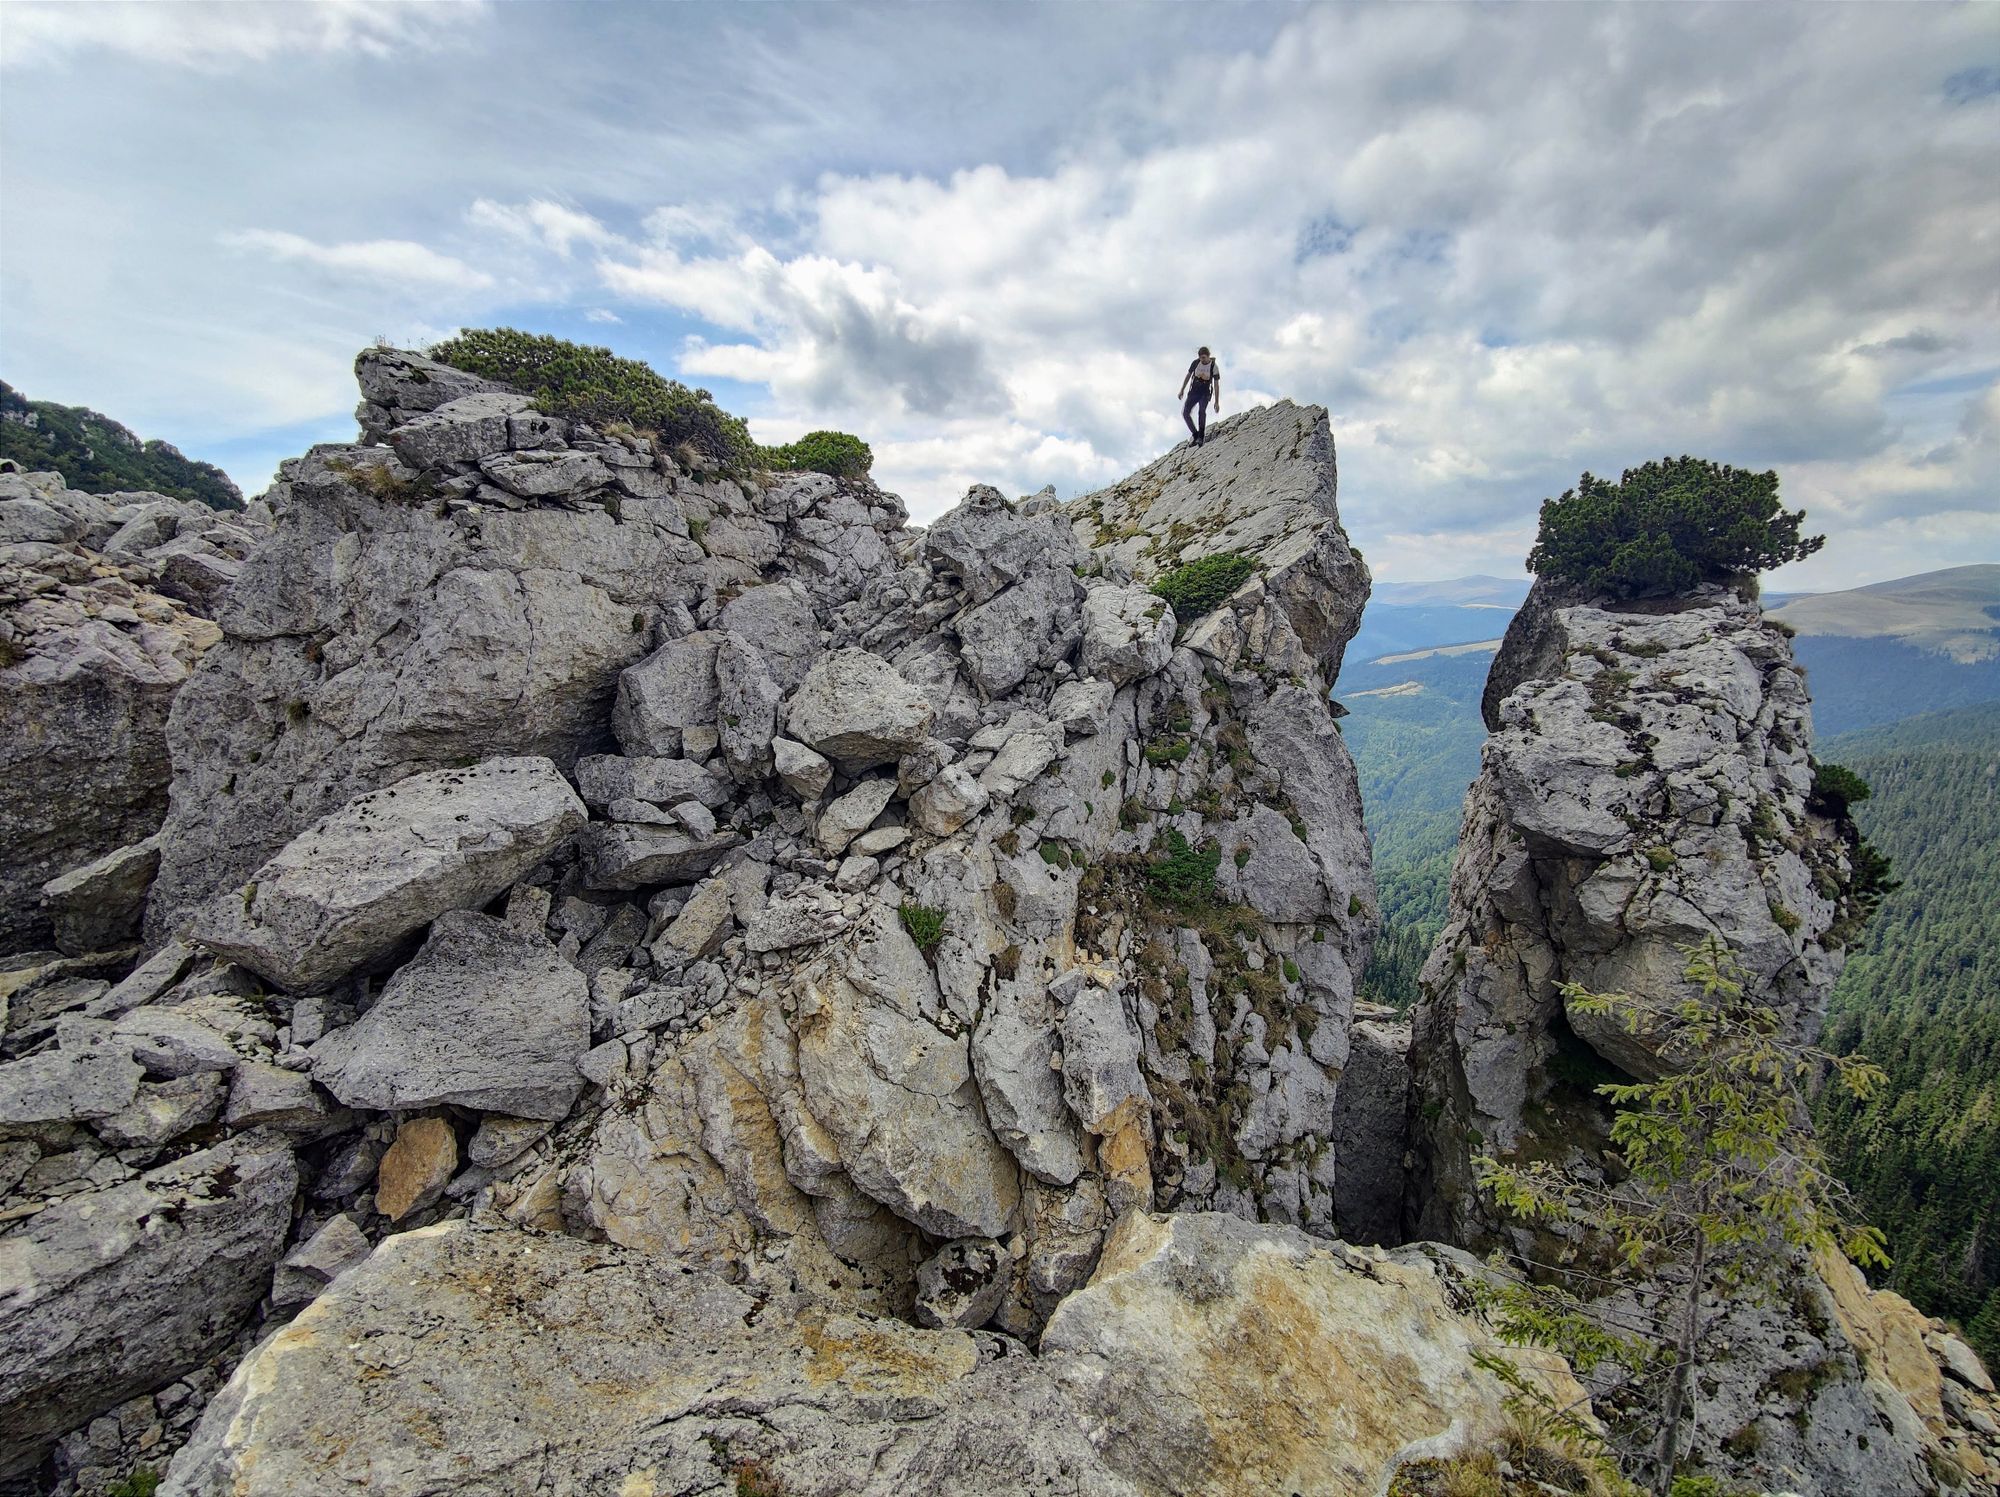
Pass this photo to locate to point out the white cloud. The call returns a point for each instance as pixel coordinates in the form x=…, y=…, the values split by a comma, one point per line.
x=602, y=314
x=553, y=225
x=396, y=262
x=215, y=35
x=1502, y=248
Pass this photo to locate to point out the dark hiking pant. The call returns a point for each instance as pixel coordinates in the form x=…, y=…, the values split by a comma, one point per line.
x=1197, y=401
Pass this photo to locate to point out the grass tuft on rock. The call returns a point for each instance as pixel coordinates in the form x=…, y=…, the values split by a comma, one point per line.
x=925, y=923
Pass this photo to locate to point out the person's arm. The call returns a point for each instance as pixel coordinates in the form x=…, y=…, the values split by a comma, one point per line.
x=1181, y=394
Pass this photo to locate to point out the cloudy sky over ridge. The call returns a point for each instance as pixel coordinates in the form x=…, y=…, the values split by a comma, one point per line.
x=1502, y=245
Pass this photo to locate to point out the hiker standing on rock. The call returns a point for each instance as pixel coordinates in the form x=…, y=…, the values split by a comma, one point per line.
x=1203, y=381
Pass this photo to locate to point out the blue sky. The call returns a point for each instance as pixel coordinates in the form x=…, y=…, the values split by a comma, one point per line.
x=1501, y=244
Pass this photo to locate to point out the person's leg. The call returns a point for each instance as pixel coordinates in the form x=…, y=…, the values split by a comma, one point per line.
x=1201, y=409
x=1187, y=406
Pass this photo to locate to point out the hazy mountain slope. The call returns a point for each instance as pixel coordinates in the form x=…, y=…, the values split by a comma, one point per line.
x=1896, y=649
x=1955, y=612
x=1921, y=997
x=99, y=456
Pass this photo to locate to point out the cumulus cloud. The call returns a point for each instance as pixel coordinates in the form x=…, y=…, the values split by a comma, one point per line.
x=824, y=332
x=397, y=262
x=193, y=34
x=1503, y=248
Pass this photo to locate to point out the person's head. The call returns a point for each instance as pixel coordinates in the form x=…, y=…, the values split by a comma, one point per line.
x=1201, y=353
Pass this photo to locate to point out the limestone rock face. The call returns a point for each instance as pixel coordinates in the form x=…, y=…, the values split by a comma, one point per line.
x=1653, y=788
x=1648, y=786
x=94, y=643
x=119, y=1291
x=347, y=889
x=601, y=1369
x=1192, y=1322
x=485, y=1017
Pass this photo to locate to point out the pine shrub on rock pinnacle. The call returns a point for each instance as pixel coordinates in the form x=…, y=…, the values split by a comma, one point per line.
x=1667, y=527
x=596, y=385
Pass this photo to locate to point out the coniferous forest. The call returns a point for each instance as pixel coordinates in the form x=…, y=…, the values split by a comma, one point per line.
x=1921, y=998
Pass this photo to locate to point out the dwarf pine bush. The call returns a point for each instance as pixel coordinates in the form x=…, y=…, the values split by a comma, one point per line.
x=1666, y=528
x=596, y=385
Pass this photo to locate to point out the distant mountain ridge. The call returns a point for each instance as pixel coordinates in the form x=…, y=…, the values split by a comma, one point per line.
x=1954, y=613
x=101, y=456
x=1500, y=592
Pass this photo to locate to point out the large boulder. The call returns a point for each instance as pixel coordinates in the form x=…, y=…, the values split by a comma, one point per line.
x=485, y=1016
x=349, y=888
x=895, y=1092
x=116, y=1291
x=853, y=708
x=601, y=1369
x=1219, y=1357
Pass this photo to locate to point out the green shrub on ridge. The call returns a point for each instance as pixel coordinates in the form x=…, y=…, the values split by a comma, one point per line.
x=834, y=453
x=1666, y=528
x=596, y=385
x=1196, y=589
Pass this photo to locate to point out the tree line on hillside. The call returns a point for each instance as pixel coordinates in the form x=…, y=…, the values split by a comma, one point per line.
x=99, y=456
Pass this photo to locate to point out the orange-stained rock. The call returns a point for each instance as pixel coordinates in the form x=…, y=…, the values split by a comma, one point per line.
x=418, y=1166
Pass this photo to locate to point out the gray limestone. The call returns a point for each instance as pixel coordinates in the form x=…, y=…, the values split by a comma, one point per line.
x=347, y=889
x=484, y=1017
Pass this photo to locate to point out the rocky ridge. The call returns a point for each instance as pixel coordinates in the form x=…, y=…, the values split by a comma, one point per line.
x=572, y=838
x=106, y=604
x=658, y=980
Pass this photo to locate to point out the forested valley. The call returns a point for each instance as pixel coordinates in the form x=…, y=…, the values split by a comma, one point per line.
x=1921, y=998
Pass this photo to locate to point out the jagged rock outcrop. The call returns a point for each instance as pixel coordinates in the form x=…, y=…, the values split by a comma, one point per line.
x=105, y=606
x=540, y=1364
x=1648, y=784
x=717, y=868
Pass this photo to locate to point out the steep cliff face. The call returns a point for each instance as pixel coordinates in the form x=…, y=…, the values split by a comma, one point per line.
x=1648, y=785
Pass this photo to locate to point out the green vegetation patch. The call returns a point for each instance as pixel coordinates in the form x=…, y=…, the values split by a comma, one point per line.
x=834, y=453
x=596, y=385
x=99, y=456
x=1666, y=528
x=1197, y=588
x=1186, y=875
x=925, y=923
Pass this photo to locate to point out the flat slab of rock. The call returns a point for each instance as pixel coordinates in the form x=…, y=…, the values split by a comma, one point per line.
x=102, y=904
x=117, y=1291
x=626, y=855
x=349, y=887
x=619, y=1373
x=484, y=1016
